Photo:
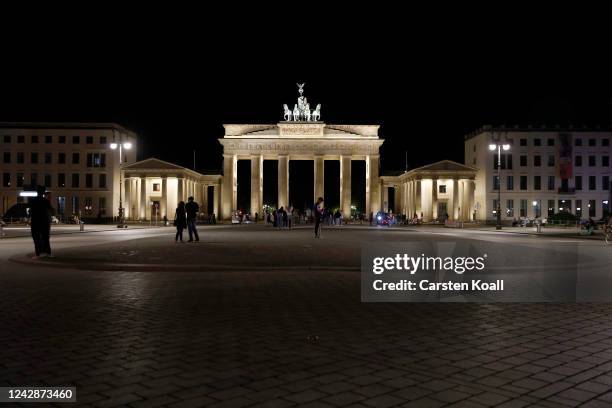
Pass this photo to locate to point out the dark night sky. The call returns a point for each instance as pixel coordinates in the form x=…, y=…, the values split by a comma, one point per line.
x=177, y=94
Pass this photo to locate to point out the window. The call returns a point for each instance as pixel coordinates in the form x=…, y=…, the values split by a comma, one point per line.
x=7, y=138
x=48, y=139
x=605, y=142
x=61, y=180
x=89, y=180
x=6, y=179
x=523, y=208
x=523, y=161
x=76, y=139
x=578, y=142
x=592, y=208
x=34, y=139
x=48, y=180
x=592, y=183
x=48, y=158
x=523, y=142
x=75, y=204
x=61, y=158
x=102, y=205
x=21, y=139
x=578, y=161
x=88, y=205
x=75, y=180
x=441, y=188
x=578, y=182
x=96, y=159
x=579, y=208
x=62, y=139
x=592, y=142
x=20, y=158
x=89, y=140
x=20, y=179
x=605, y=183
x=102, y=181
x=34, y=158
x=506, y=161
x=551, y=160
x=510, y=183
x=592, y=161
x=537, y=182
x=495, y=183
x=537, y=161
x=75, y=158
x=565, y=205
x=103, y=141
x=551, y=207
x=494, y=207
x=605, y=161
x=61, y=205
x=550, y=142
x=537, y=142
x=523, y=182
x=6, y=158
x=510, y=208
x=551, y=182
x=34, y=179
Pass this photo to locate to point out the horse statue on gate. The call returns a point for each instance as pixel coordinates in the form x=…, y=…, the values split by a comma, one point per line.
x=316, y=114
x=288, y=115
x=296, y=113
x=307, y=112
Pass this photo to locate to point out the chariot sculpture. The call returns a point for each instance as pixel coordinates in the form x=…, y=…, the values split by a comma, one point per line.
x=301, y=110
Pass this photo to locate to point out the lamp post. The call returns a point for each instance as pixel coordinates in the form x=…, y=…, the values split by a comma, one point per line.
x=121, y=145
x=499, y=147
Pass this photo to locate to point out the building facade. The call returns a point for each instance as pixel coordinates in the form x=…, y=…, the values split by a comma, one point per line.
x=545, y=171
x=73, y=161
x=439, y=191
x=153, y=188
x=287, y=141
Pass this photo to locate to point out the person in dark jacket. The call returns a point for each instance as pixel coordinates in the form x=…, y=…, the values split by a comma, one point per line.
x=192, y=209
x=180, y=221
x=40, y=212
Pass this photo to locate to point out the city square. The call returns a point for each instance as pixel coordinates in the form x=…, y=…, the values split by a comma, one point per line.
x=254, y=316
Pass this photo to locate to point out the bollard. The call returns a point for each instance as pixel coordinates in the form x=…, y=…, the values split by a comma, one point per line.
x=82, y=226
x=2, y=234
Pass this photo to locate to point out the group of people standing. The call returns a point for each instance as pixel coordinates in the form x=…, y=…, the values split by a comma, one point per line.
x=283, y=218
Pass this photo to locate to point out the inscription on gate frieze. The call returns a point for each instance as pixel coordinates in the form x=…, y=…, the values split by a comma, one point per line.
x=300, y=129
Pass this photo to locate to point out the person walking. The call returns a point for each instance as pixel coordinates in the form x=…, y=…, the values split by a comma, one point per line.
x=40, y=212
x=289, y=216
x=192, y=208
x=180, y=221
x=318, y=214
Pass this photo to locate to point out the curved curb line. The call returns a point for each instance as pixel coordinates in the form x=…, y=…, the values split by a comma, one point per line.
x=173, y=267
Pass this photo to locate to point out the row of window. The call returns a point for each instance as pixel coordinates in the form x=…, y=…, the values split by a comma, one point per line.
x=34, y=139
x=46, y=180
x=75, y=207
x=93, y=159
x=506, y=161
x=537, y=183
x=562, y=205
x=605, y=142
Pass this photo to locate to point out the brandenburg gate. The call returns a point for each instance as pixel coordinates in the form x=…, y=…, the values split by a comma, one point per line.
x=287, y=141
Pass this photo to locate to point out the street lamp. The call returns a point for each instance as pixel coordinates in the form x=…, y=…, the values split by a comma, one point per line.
x=499, y=147
x=114, y=146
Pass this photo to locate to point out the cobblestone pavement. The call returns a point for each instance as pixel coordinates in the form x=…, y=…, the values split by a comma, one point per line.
x=291, y=338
